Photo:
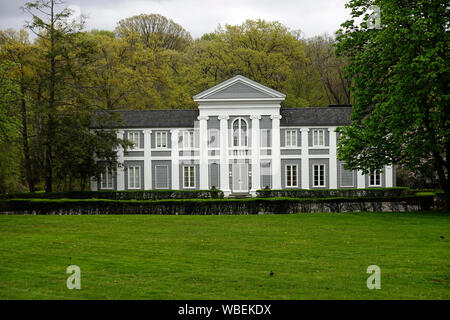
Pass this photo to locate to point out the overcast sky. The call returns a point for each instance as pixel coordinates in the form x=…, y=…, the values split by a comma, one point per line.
x=313, y=17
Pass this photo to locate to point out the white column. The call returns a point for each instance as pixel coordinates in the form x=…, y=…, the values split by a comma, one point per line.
x=256, y=175
x=305, y=159
x=276, y=153
x=147, y=159
x=224, y=167
x=203, y=135
x=120, y=168
x=333, y=158
x=360, y=180
x=389, y=176
x=175, y=160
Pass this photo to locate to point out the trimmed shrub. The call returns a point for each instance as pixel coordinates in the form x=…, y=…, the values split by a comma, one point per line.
x=121, y=195
x=326, y=193
x=214, y=206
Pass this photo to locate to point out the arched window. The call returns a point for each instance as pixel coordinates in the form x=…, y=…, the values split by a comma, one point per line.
x=240, y=133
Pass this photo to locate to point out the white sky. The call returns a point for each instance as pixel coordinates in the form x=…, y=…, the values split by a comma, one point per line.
x=200, y=16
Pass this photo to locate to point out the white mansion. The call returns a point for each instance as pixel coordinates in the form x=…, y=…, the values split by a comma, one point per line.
x=239, y=140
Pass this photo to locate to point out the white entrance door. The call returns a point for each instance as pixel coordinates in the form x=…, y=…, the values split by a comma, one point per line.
x=240, y=177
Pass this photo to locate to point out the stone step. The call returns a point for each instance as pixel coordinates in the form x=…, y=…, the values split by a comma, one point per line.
x=239, y=195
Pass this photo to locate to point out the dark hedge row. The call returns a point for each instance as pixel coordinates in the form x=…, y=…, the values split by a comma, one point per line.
x=215, y=206
x=326, y=193
x=121, y=195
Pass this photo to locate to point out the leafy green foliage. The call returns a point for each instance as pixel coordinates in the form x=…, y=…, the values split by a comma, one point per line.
x=324, y=193
x=215, y=206
x=401, y=94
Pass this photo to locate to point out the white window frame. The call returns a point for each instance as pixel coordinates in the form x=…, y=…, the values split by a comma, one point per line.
x=156, y=177
x=292, y=175
x=269, y=132
x=194, y=173
x=188, y=139
x=161, y=134
x=130, y=169
x=136, y=142
x=377, y=172
x=291, y=134
x=240, y=133
x=353, y=176
x=217, y=134
x=324, y=176
x=105, y=176
x=318, y=131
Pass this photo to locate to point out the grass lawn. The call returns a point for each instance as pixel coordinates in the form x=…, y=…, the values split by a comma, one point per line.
x=313, y=256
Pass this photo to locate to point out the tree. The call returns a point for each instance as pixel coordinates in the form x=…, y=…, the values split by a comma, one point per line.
x=53, y=28
x=401, y=74
x=263, y=51
x=9, y=124
x=15, y=48
x=155, y=31
x=61, y=99
x=321, y=53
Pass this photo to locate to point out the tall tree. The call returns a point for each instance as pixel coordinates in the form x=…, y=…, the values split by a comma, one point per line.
x=401, y=76
x=55, y=31
x=321, y=54
x=9, y=128
x=154, y=31
x=263, y=51
x=15, y=47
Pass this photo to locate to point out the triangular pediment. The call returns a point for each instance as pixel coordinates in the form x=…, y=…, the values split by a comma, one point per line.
x=237, y=88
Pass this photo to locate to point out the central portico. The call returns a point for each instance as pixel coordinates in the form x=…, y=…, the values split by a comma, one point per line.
x=244, y=110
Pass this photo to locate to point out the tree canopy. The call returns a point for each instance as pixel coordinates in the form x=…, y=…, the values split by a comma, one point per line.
x=401, y=82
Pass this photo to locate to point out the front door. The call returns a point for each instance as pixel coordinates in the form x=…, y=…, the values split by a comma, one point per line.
x=240, y=177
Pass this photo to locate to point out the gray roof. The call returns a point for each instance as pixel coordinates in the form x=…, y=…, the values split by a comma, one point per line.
x=320, y=116
x=151, y=119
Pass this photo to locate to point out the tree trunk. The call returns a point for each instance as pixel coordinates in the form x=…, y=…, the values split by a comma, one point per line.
x=51, y=105
x=26, y=149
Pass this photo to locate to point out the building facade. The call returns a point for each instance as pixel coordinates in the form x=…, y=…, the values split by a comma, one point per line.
x=239, y=140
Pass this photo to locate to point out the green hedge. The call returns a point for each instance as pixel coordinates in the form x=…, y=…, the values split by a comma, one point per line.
x=326, y=193
x=120, y=195
x=214, y=206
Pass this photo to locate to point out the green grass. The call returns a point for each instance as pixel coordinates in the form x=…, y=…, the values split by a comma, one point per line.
x=313, y=256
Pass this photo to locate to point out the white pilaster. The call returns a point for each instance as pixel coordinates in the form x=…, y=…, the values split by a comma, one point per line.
x=120, y=168
x=224, y=168
x=147, y=159
x=203, y=133
x=256, y=175
x=333, y=158
x=175, y=159
x=305, y=159
x=276, y=153
x=360, y=180
x=389, y=176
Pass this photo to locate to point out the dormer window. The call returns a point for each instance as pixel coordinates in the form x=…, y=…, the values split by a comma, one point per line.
x=240, y=138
